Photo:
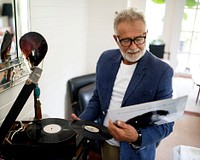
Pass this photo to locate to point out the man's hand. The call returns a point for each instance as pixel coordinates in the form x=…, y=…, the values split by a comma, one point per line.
x=74, y=117
x=122, y=131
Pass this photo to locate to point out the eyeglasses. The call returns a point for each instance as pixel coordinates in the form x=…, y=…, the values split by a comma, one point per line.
x=128, y=41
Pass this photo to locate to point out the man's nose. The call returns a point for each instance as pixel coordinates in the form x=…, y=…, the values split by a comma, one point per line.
x=133, y=45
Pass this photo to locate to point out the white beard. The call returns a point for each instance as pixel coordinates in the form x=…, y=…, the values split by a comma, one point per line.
x=132, y=56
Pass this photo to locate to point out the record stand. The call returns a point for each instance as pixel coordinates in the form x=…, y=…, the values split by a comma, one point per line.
x=45, y=139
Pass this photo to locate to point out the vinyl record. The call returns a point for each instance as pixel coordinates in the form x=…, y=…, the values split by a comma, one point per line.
x=90, y=130
x=50, y=130
x=147, y=119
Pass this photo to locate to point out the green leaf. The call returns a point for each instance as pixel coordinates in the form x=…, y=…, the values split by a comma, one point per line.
x=185, y=17
x=191, y=3
x=159, y=1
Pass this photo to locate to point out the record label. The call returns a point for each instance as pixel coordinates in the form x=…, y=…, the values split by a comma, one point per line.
x=52, y=128
x=90, y=130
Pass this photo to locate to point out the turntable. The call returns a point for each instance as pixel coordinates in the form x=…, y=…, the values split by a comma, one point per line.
x=46, y=139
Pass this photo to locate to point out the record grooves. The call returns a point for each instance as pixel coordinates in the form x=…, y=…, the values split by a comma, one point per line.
x=50, y=130
x=90, y=130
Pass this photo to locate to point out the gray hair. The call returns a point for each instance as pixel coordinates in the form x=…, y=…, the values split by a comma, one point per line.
x=130, y=15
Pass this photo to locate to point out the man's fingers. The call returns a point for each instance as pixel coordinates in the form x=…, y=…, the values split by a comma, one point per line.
x=74, y=117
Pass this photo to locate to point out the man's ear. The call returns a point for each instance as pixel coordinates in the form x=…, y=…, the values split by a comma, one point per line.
x=115, y=37
x=116, y=40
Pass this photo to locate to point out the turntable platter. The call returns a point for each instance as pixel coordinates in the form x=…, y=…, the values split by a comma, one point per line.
x=50, y=130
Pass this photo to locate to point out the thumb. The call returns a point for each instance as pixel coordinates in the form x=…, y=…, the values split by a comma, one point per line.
x=121, y=124
x=74, y=117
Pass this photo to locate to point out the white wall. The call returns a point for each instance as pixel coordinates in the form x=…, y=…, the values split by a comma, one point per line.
x=140, y=4
x=63, y=25
x=77, y=32
x=100, y=28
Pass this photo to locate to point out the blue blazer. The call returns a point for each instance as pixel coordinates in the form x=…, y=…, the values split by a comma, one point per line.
x=151, y=81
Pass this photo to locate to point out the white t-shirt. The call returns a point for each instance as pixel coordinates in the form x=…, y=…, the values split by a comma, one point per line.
x=121, y=83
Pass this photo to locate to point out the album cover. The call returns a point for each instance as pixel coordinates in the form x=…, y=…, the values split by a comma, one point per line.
x=151, y=113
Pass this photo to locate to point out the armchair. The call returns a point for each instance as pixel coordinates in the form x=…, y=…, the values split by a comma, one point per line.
x=80, y=91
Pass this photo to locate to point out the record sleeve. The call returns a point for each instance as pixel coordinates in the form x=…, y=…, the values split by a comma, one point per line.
x=151, y=113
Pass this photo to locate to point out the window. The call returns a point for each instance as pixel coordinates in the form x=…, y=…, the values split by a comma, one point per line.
x=154, y=16
x=189, y=53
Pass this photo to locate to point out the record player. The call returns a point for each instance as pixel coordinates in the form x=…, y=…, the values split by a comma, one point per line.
x=28, y=140
x=46, y=139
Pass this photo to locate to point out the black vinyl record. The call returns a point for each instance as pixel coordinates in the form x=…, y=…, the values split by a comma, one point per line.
x=50, y=130
x=90, y=130
x=148, y=119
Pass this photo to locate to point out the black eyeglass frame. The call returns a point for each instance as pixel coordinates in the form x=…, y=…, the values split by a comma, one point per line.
x=132, y=40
